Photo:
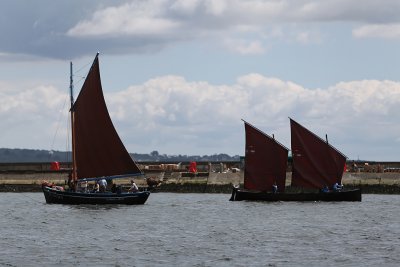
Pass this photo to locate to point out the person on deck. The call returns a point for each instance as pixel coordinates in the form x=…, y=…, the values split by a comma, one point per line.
x=84, y=187
x=114, y=188
x=325, y=189
x=134, y=187
x=71, y=183
x=96, y=187
x=337, y=187
x=103, y=185
x=274, y=188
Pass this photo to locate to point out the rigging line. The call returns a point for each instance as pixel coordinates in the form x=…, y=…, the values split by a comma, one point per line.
x=67, y=141
x=75, y=73
x=79, y=81
x=58, y=123
x=10, y=189
x=76, y=83
x=37, y=201
x=84, y=66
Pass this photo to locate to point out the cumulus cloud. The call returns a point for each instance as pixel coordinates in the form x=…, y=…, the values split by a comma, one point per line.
x=135, y=26
x=136, y=18
x=307, y=37
x=244, y=47
x=176, y=16
x=196, y=115
x=31, y=116
x=387, y=31
x=173, y=115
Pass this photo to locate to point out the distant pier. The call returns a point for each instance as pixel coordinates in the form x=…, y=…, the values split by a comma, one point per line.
x=210, y=177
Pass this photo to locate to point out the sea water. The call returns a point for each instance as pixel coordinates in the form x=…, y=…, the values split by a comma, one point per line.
x=199, y=230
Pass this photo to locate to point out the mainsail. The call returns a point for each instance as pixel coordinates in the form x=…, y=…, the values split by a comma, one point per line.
x=315, y=162
x=98, y=149
x=265, y=161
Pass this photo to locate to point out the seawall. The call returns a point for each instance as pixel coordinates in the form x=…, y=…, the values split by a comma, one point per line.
x=370, y=183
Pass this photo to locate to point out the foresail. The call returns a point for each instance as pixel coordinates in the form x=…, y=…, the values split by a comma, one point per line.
x=265, y=161
x=98, y=149
x=315, y=162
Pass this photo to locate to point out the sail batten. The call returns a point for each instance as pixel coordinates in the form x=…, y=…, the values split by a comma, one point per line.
x=265, y=161
x=98, y=149
x=315, y=162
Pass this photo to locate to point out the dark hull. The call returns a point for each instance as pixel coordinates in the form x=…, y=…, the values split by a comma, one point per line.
x=54, y=196
x=242, y=194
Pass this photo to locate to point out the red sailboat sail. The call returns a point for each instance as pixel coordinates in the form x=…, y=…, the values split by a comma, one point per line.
x=265, y=161
x=98, y=149
x=315, y=162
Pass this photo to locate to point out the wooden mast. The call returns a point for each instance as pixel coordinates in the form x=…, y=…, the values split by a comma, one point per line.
x=71, y=87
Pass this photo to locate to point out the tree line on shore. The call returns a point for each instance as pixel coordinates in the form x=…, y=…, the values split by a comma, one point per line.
x=11, y=155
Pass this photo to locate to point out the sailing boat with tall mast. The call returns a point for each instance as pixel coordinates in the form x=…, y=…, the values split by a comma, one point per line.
x=316, y=164
x=97, y=151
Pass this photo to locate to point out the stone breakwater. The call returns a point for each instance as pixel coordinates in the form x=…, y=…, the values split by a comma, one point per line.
x=379, y=183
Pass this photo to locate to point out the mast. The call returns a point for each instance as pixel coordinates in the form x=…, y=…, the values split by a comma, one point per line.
x=71, y=88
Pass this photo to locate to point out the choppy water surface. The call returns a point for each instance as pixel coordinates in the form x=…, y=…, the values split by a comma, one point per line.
x=199, y=230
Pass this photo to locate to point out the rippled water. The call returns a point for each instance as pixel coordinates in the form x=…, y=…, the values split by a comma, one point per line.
x=199, y=230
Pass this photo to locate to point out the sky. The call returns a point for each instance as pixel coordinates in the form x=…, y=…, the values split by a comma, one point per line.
x=179, y=75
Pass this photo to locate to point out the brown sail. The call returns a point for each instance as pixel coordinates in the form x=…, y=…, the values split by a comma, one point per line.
x=265, y=161
x=315, y=162
x=98, y=149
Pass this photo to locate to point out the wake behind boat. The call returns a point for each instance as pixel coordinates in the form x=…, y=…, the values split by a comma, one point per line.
x=316, y=165
x=97, y=151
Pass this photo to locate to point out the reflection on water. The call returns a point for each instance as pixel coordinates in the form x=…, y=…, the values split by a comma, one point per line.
x=199, y=230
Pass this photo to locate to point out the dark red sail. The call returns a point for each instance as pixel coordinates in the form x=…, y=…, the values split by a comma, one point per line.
x=315, y=162
x=98, y=149
x=265, y=161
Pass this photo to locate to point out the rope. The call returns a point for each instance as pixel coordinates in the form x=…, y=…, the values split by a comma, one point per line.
x=60, y=115
x=35, y=200
x=79, y=70
x=21, y=193
x=58, y=123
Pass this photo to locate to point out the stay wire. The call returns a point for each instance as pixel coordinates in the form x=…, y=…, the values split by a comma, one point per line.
x=10, y=189
x=58, y=123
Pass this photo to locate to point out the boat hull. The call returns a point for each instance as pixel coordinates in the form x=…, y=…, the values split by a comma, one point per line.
x=242, y=194
x=54, y=196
